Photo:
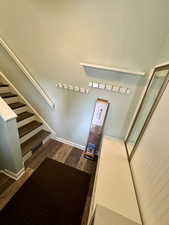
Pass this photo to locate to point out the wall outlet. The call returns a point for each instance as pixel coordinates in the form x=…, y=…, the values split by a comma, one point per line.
x=95, y=85
x=108, y=87
x=101, y=86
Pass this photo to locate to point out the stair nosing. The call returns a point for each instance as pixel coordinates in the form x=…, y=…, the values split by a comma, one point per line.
x=11, y=95
x=30, y=130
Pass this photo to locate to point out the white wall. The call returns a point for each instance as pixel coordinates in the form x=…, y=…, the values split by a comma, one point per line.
x=53, y=37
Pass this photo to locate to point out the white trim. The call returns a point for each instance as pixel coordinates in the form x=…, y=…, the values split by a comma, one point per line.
x=113, y=69
x=27, y=73
x=27, y=103
x=6, y=112
x=138, y=106
x=161, y=64
x=67, y=142
x=13, y=175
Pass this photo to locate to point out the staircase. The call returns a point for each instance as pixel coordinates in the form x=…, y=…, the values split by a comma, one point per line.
x=32, y=133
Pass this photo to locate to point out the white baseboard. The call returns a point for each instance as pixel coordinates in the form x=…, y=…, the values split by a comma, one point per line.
x=13, y=175
x=82, y=147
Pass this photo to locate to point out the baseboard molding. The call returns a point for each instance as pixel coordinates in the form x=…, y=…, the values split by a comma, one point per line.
x=13, y=175
x=68, y=142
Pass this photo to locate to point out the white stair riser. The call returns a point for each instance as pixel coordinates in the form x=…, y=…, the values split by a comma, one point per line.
x=26, y=121
x=27, y=156
x=4, y=89
x=27, y=136
x=21, y=110
x=11, y=100
x=46, y=139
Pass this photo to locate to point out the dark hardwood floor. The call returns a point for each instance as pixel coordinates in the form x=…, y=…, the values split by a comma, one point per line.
x=60, y=152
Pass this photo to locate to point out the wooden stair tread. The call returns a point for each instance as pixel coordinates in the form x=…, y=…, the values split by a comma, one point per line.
x=23, y=116
x=3, y=85
x=16, y=105
x=7, y=95
x=34, y=141
x=26, y=129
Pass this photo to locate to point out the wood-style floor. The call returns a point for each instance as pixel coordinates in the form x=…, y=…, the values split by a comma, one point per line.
x=60, y=152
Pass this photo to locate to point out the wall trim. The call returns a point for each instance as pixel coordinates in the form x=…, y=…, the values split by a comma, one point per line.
x=67, y=142
x=27, y=102
x=13, y=175
x=27, y=73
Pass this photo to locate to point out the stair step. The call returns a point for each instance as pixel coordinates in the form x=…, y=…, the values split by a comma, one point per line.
x=28, y=128
x=16, y=105
x=3, y=85
x=7, y=95
x=34, y=141
x=23, y=116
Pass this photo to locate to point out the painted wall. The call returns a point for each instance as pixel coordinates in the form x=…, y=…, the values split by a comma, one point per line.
x=53, y=37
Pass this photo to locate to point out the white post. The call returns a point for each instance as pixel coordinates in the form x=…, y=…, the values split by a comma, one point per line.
x=11, y=162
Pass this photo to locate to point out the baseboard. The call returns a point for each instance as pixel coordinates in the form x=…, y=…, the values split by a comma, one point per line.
x=13, y=175
x=68, y=142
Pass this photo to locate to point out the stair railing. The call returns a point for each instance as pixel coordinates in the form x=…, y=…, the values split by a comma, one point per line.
x=27, y=73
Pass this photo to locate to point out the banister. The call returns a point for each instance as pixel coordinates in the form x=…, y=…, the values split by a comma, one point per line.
x=27, y=73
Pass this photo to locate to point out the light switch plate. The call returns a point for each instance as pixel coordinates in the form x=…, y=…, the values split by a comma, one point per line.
x=76, y=88
x=90, y=84
x=108, y=87
x=95, y=85
x=101, y=86
x=115, y=88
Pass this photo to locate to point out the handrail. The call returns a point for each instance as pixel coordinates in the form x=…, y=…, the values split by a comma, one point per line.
x=27, y=73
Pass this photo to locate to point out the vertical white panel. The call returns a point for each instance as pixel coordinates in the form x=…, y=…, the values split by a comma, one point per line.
x=150, y=166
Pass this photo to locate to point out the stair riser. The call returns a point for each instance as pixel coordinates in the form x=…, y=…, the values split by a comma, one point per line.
x=27, y=156
x=21, y=110
x=11, y=100
x=27, y=136
x=46, y=139
x=4, y=89
x=26, y=121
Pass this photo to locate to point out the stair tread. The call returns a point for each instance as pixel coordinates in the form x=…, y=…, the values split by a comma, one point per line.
x=3, y=85
x=16, y=105
x=7, y=95
x=23, y=116
x=34, y=141
x=26, y=129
